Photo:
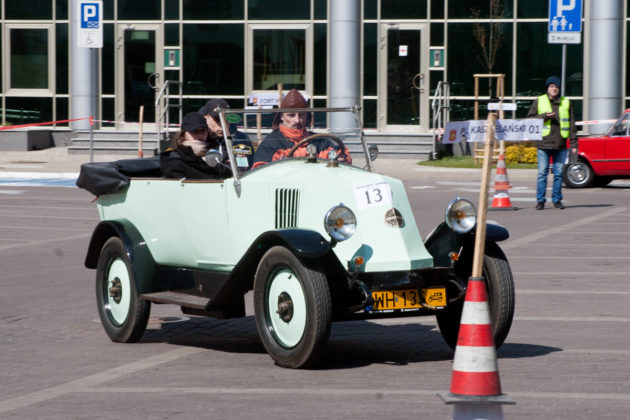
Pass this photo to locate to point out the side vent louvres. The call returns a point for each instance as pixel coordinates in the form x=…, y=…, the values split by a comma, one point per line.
x=287, y=205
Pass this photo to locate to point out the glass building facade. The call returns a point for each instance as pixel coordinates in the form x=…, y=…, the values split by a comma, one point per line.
x=231, y=48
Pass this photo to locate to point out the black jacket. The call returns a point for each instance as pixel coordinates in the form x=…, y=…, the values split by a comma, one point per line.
x=183, y=163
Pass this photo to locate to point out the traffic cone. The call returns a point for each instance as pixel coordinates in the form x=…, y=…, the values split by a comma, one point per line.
x=475, y=385
x=501, y=199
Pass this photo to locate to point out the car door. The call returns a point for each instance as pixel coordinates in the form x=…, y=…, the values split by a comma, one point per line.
x=204, y=216
x=617, y=159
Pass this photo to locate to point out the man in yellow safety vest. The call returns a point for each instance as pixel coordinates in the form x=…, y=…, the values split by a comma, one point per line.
x=558, y=126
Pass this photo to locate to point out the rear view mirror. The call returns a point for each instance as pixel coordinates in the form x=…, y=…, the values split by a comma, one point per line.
x=373, y=150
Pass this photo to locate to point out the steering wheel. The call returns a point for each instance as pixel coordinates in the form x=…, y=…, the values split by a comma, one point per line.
x=336, y=139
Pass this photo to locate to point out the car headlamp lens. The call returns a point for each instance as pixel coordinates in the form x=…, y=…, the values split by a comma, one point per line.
x=340, y=223
x=461, y=215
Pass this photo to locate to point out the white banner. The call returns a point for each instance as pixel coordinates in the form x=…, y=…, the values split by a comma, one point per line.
x=509, y=130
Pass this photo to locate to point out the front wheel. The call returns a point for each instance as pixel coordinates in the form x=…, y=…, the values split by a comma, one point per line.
x=500, y=288
x=123, y=314
x=293, y=308
x=578, y=175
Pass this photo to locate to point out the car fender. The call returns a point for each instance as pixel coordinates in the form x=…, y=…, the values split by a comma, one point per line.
x=142, y=263
x=304, y=243
x=443, y=240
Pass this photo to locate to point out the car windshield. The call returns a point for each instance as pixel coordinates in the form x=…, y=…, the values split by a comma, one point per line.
x=262, y=136
x=620, y=128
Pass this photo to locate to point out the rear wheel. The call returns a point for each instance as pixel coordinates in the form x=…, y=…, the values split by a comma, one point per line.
x=500, y=288
x=293, y=308
x=123, y=314
x=578, y=175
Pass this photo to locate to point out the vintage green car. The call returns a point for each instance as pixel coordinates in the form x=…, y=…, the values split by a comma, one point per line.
x=317, y=240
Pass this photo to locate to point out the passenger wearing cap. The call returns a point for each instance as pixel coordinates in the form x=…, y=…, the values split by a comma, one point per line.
x=288, y=129
x=241, y=144
x=556, y=111
x=184, y=159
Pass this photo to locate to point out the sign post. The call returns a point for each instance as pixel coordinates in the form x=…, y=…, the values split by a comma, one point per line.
x=86, y=37
x=90, y=30
x=565, y=27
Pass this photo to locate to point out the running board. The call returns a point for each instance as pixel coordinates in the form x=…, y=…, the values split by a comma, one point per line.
x=181, y=299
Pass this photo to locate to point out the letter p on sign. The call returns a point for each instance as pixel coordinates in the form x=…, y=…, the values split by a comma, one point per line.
x=89, y=15
x=562, y=7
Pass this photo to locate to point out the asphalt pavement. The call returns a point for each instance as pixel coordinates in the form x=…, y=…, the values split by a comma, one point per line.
x=566, y=356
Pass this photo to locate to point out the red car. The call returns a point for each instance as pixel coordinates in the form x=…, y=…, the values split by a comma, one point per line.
x=601, y=159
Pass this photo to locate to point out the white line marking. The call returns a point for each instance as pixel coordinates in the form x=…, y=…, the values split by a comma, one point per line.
x=40, y=228
x=570, y=273
x=571, y=292
x=573, y=226
x=571, y=319
x=566, y=257
x=422, y=187
x=12, y=192
x=87, y=382
x=45, y=241
x=338, y=391
x=49, y=207
x=95, y=218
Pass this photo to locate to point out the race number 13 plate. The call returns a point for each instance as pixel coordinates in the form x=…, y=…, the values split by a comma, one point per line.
x=373, y=195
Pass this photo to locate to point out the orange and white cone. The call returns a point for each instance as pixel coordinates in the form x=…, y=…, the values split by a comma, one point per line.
x=475, y=385
x=501, y=199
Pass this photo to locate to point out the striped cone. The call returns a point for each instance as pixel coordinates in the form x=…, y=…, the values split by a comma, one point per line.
x=501, y=199
x=475, y=386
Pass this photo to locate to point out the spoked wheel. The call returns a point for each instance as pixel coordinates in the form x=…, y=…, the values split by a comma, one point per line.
x=123, y=314
x=500, y=289
x=293, y=308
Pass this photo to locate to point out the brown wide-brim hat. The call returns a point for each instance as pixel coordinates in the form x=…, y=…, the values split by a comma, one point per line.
x=293, y=99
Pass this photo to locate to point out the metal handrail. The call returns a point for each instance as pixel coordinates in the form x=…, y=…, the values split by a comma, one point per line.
x=440, y=105
x=162, y=107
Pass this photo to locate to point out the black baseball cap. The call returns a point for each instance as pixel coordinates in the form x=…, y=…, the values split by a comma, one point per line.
x=193, y=121
x=210, y=107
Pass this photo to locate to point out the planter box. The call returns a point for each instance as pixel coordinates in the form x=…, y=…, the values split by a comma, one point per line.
x=21, y=140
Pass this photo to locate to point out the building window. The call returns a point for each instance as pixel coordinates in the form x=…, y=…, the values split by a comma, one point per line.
x=29, y=58
x=279, y=57
x=213, y=10
x=213, y=57
x=278, y=9
x=139, y=10
x=403, y=9
x=28, y=9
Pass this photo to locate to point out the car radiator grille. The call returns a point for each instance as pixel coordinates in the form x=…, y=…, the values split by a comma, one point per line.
x=287, y=205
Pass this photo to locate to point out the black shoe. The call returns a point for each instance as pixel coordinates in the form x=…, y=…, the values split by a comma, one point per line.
x=558, y=205
x=540, y=205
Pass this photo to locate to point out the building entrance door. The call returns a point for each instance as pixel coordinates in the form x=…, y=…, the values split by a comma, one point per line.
x=140, y=68
x=404, y=85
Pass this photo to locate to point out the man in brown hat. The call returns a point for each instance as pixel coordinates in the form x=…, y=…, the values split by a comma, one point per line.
x=289, y=128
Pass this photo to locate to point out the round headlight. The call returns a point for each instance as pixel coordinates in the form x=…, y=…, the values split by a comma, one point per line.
x=340, y=223
x=461, y=215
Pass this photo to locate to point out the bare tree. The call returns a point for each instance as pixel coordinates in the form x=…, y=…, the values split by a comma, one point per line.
x=489, y=36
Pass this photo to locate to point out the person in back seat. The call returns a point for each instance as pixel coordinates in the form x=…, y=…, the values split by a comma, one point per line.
x=184, y=159
x=241, y=144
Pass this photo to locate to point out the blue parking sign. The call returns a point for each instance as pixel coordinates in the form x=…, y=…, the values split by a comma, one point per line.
x=90, y=15
x=565, y=15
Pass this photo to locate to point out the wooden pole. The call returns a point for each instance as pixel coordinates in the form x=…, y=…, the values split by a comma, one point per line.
x=501, y=96
x=280, y=85
x=482, y=209
x=140, y=152
x=258, y=127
